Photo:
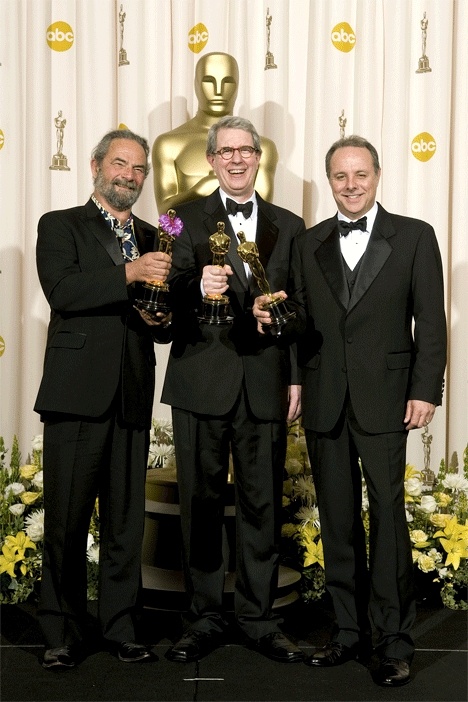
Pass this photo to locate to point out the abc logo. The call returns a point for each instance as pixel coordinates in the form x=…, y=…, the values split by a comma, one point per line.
x=423, y=146
x=343, y=37
x=60, y=36
x=2, y=139
x=197, y=38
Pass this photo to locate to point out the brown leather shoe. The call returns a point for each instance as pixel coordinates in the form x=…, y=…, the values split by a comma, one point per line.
x=334, y=653
x=278, y=647
x=392, y=672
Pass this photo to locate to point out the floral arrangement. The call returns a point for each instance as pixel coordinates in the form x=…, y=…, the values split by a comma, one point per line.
x=170, y=227
x=22, y=515
x=437, y=515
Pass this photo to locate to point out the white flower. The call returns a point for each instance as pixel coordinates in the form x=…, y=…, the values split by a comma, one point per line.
x=308, y=514
x=413, y=487
x=35, y=525
x=90, y=541
x=435, y=555
x=13, y=489
x=293, y=466
x=453, y=481
x=17, y=509
x=428, y=504
x=36, y=443
x=409, y=516
x=92, y=554
x=38, y=480
x=159, y=453
x=426, y=563
x=304, y=488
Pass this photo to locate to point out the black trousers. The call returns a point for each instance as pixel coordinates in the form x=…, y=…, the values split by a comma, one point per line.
x=203, y=445
x=381, y=586
x=83, y=459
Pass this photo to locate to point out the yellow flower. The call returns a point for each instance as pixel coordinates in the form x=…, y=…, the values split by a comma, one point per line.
x=314, y=554
x=8, y=560
x=29, y=497
x=426, y=563
x=28, y=471
x=457, y=548
x=443, y=500
x=439, y=520
x=419, y=538
x=411, y=472
x=453, y=529
x=286, y=501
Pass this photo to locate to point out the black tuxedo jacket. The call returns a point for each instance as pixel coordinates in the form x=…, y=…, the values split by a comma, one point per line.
x=96, y=339
x=209, y=364
x=363, y=341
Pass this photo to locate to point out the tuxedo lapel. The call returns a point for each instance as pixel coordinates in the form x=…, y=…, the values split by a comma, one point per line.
x=103, y=233
x=329, y=258
x=377, y=251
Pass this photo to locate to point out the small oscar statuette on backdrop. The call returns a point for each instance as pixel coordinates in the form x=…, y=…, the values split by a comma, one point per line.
x=276, y=306
x=216, y=306
x=423, y=63
x=269, y=58
x=156, y=293
x=342, y=122
x=123, y=61
x=427, y=475
x=59, y=161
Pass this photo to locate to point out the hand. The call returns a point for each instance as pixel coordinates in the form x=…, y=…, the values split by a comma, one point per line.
x=418, y=414
x=153, y=265
x=154, y=319
x=294, y=402
x=215, y=279
x=260, y=309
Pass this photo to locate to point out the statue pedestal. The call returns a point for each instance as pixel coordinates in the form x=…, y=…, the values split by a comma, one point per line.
x=162, y=575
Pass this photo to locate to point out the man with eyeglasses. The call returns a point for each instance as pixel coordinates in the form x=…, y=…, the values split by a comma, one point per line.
x=232, y=391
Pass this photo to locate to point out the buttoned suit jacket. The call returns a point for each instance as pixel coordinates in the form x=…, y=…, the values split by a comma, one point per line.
x=95, y=340
x=363, y=342
x=209, y=364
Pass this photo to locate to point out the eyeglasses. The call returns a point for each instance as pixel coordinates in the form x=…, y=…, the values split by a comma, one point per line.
x=227, y=152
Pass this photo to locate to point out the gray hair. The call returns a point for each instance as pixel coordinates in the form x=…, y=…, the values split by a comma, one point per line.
x=353, y=140
x=230, y=122
x=100, y=151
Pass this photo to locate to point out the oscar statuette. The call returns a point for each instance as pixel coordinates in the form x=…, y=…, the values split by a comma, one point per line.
x=216, y=306
x=276, y=306
x=155, y=292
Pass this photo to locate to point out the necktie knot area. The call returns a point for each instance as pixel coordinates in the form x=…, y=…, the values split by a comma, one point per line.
x=234, y=207
x=346, y=227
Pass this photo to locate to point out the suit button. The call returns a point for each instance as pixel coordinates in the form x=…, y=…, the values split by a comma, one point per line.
x=349, y=340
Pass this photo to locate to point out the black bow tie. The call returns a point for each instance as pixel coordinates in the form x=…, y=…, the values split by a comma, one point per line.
x=345, y=227
x=234, y=207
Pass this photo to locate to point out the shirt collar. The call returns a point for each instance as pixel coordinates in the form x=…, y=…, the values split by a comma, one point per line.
x=112, y=221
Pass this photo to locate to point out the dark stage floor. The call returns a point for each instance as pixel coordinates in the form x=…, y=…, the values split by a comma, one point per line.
x=233, y=672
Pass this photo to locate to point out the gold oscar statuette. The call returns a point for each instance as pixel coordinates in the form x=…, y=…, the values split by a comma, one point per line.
x=276, y=306
x=59, y=161
x=423, y=63
x=216, y=306
x=156, y=292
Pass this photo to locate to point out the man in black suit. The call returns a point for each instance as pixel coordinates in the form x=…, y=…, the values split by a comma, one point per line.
x=96, y=399
x=361, y=279
x=231, y=390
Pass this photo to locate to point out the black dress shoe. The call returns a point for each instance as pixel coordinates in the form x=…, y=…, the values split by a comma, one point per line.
x=392, y=672
x=60, y=658
x=130, y=652
x=278, y=647
x=334, y=653
x=192, y=646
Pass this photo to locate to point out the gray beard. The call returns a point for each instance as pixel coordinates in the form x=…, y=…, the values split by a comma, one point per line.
x=120, y=201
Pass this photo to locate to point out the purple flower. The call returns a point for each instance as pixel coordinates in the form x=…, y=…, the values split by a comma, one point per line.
x=170, y=224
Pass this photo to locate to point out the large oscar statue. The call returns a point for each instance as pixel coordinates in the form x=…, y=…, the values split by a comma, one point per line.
x=156, y=293
x=277, y=307
x=216, y=306
x=183, y=172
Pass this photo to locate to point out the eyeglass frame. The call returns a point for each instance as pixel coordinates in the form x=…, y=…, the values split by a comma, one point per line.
x=251, y=149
